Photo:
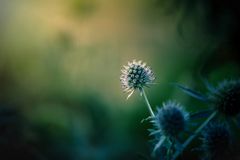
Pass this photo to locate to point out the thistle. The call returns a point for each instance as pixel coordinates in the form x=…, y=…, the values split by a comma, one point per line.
x=135, y=76
x=170, y=121
x=223, y=99
x=216, y=141
x=226, y=97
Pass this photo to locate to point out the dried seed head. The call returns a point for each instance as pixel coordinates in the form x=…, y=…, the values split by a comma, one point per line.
x=171, y=119
x=136, y=75
x=226, y=97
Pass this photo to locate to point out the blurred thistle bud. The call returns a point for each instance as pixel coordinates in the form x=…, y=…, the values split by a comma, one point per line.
x=171, y=119
x=136, y=75
x=216, y=141
x=226, y=97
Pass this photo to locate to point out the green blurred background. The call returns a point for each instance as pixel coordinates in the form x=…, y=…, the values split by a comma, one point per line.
x=60, y=61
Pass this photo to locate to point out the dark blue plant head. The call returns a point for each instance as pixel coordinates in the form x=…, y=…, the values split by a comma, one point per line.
x=216, y=141
x=171, y=119
x=226, y=97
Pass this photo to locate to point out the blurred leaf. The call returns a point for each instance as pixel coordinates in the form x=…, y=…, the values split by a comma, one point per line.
x=192, y=93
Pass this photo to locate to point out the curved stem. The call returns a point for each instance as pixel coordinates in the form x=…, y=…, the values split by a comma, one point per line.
x=189, y=140
x=147, y=102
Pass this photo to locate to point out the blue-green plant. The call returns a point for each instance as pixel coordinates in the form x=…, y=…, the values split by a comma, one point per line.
x=223, y=100
x=216, y=141
x=171, y=119
x=135, y=76
x=170, y=122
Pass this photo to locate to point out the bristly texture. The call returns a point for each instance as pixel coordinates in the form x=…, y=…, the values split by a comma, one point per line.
x=136, y=75
x=226, y=97
x=171, y=119
x=170, y=122
x=217, y=140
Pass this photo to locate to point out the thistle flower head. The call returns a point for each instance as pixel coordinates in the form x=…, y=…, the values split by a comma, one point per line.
x=216, y=141
x=171, y=119
x=136, y=75
x=226, y=97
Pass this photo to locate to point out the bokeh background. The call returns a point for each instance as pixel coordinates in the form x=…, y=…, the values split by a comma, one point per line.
x=60, y=61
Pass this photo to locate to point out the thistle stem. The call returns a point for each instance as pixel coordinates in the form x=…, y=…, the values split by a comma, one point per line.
x=198, y=130
x=147, y=102
x=170, y=150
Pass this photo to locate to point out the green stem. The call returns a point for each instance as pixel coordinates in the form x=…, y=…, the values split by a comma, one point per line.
x=147, y=102
x=188, y=141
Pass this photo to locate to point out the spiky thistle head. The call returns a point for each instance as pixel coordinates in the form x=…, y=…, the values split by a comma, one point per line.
x=216, y=141
x=136, y=75
x=226, y=97
x=171, y=119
